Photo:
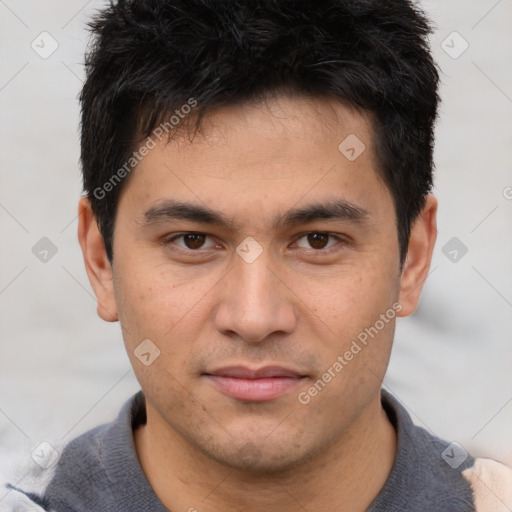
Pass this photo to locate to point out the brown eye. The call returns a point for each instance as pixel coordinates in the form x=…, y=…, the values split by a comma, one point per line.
x=191, y=242
x=318, y=240
x=194, y=240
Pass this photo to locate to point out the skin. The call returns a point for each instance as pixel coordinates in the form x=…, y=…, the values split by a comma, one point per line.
x=298, y=305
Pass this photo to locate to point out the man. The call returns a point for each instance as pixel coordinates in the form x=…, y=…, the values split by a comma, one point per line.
x=257, y=214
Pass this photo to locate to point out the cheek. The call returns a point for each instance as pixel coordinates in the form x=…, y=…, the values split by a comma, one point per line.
x=148, y=297
x=351, y=300
x=163, y=306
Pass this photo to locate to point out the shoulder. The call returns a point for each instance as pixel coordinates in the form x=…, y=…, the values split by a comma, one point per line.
x=23, y=484
x=433, y=474
x=491, y=483
x=27, y=487
x=81, y=471
x=427, y=473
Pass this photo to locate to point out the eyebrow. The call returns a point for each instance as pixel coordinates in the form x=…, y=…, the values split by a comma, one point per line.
x=177, y=210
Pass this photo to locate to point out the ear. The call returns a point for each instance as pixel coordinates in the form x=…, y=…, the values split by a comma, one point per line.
x=96, y=262
x=419, y=255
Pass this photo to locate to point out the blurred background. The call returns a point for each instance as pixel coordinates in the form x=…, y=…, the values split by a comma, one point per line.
x=63, y=370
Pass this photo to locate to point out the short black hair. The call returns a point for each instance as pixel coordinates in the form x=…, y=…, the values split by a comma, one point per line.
x=149, y=59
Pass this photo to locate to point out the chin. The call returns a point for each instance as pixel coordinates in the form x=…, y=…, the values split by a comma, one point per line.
x=252, y=461
x=260, y=456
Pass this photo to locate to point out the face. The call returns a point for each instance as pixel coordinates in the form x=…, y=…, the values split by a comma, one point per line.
x=258, y=246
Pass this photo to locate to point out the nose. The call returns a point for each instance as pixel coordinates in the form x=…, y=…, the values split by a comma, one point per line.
x=255, y=302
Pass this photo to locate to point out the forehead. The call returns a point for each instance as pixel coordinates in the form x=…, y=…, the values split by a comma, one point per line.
x=275, y=151
x=279, y=128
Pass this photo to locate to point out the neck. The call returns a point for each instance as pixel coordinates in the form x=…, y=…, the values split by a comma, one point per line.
x=345, y=477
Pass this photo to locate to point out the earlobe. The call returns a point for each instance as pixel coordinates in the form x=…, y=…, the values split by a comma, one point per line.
x=96, y=262
x=419, y=256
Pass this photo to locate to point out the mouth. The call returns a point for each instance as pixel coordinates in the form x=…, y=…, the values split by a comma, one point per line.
x=263, y=384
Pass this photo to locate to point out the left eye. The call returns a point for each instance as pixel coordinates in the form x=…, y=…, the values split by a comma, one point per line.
x=190, y=241
x=318, y=240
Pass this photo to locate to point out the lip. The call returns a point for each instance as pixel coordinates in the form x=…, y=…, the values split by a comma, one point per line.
x=256, y=385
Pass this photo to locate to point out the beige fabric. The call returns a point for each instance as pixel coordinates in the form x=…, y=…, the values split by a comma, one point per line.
x=491, y=482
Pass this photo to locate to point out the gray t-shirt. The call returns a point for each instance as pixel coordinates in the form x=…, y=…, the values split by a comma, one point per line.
x=100, y=471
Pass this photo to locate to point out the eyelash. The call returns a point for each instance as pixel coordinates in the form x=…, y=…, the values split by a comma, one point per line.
x=169, y=241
